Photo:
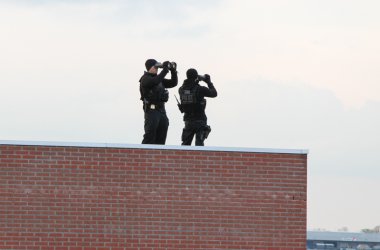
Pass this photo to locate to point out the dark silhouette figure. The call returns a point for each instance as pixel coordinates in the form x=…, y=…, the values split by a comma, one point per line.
x=193, y=105
x=154, y=94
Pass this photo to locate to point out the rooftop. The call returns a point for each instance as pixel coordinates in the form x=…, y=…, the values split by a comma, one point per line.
x=147, y=146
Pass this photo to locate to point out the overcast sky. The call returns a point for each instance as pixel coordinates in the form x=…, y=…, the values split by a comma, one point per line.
x=289, y=74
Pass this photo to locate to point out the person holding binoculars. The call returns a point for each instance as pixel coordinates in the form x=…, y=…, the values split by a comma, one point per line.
x=193, y=105
x=154, y=94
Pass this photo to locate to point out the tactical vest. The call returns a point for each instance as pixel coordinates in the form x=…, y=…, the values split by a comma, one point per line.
x=155, y=95
x=190, y=101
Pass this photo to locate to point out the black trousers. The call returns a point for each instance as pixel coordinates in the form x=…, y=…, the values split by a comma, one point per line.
x=156, y=127
x=194, y=128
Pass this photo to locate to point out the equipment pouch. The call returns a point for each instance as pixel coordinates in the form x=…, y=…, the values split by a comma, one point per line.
x=164, y=96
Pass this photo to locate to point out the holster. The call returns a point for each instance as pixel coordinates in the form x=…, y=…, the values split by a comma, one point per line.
x=207, y=130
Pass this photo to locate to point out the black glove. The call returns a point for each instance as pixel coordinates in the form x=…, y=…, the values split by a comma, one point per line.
x=173, y=67
x=166, y=65
x=207, y=78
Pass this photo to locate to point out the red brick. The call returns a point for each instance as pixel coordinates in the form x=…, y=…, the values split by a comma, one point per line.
x=125, y=198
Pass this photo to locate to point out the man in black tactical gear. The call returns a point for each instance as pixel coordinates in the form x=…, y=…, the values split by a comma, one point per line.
x=154, y=95
x=193, y=104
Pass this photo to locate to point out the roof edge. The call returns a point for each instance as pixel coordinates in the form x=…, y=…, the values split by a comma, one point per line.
x=150, y=146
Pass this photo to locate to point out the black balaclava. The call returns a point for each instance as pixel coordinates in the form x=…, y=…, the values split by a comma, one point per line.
x=191, y=74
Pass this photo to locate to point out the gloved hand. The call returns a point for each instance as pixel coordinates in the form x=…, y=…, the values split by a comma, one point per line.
x=207, y=78
x=174, y=67
x=166, y=65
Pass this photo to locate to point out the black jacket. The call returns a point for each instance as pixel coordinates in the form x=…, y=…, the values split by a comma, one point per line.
x=153, y=87
x=201, y=92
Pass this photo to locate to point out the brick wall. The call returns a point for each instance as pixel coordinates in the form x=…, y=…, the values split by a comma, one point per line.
x=125, y=197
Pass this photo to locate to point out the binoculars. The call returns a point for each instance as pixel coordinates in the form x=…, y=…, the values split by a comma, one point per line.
x=171, y=65
x=203, y=77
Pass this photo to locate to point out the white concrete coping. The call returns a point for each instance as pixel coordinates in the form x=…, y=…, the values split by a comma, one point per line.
x=149, y=146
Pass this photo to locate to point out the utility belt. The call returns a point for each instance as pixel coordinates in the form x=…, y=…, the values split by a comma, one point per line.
x=152, y=106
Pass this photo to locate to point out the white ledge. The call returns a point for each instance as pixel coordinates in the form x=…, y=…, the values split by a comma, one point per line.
x=149, y=146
